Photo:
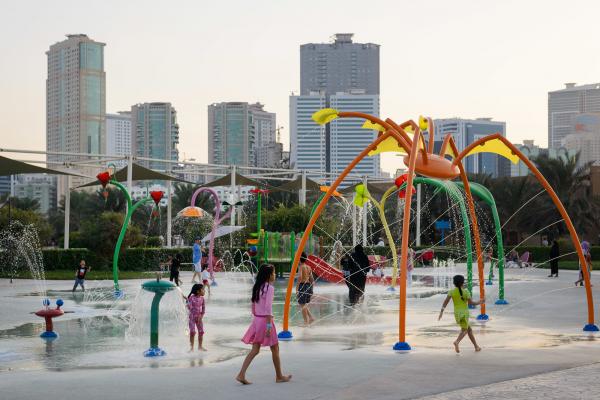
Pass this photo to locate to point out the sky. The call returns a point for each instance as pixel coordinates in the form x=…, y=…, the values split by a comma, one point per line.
x=459, y=58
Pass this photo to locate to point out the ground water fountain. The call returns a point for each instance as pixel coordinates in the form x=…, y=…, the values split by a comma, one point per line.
x=159, y=288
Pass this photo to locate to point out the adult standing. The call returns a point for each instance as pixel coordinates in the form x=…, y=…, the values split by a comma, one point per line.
x=82, y=269
x=197, y=260
x=358, y=273
x=346, y=264
x=554, y=255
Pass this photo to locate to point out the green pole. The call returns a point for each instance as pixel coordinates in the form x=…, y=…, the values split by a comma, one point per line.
x=258, y=229
x=292, y=248
x=266, y=246
x=312, y=211
x=484, y=194
x=154, y=319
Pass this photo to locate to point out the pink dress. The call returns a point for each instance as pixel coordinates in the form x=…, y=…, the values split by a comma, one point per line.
x=197, y=308
x=256, y=332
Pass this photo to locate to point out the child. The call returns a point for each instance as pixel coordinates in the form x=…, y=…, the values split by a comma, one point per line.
x=304, y=290
x=195, y=304
x=82, y=269
x=205, y=275
x=461, y=299
x=174, y=269
x=262, y=330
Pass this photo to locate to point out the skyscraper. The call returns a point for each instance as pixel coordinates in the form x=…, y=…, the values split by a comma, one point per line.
x=565, y=104
x=339, y=66
x=118, y=135
x=154, y=133
x=75, y=97
x=465, y=132
x=236, y=130
x=343, y=75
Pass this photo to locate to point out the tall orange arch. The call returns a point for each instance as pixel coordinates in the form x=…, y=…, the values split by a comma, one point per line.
x=590, y=326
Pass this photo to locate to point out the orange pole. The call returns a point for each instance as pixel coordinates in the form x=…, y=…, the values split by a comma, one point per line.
x=463, y=176
x=412, y=161
x=285, y=334
x=561, y=209
x=431, y=133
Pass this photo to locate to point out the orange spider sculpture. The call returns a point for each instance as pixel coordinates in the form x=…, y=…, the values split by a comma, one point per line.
x=409, y=138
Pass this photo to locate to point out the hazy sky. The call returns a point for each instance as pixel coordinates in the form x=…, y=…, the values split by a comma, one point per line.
x=439, y=58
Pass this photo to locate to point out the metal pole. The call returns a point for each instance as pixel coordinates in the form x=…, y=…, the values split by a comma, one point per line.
x=67, y=210
x=418, y=216
x=233, y=201
x=354, y=230
x=129, y=176
x=364, y=218
x=303, y=190
x=169, y=210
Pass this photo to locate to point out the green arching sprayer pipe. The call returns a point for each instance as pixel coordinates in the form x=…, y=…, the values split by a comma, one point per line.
x=484, y=194
x=465, y=217
x=312, y=211
x=130, y=210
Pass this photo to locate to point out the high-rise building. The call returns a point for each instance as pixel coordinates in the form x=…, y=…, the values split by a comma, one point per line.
x=75, y=97
x=465, y=132
x=584, y=138
x=40, y=187
x=343, y=75
x=154, y=133
x=236, y=132
x=531, y=151
x=5, y=183
x=565, y=104
x=118, y=135
x=339, y=66
x=308, y=141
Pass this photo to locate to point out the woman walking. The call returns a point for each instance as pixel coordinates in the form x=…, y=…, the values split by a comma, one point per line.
x=262, y=330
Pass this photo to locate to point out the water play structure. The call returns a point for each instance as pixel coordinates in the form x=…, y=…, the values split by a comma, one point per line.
x=48, y=314
x=105, y=178
x=159, y=288
x=409, y=138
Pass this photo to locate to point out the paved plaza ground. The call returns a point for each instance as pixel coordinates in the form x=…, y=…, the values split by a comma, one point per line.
x=532, y=348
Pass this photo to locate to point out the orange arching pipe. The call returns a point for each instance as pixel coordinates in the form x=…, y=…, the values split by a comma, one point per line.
x=400, y=128
x=285, y=334
x=561, y=209
x=412, y=162
x=480, y=272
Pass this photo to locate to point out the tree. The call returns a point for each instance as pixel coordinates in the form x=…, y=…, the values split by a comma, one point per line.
x=27, y=217
x=573, y=187
x=100, y=234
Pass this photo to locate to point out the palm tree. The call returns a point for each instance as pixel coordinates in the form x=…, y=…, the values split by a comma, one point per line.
x=182, y=196
x=573, y=187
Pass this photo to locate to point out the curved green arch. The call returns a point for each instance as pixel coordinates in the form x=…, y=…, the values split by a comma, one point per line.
x=484, y=194
x=456, y=196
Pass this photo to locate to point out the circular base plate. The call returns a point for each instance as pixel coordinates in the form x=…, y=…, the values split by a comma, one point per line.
x=591, y=328
x=285, y=336
x=501, y=302
x=49, y=335
x=483, y=318
x=214, y=283
x=391, y=289
x=154, y=352
x=402, y=347
x=489, y=283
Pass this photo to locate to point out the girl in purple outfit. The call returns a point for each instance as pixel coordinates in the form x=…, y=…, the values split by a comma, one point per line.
x=262, y=331
x=197, y=308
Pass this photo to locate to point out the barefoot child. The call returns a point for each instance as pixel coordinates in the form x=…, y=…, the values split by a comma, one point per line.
x=262, y=330
x=304, y=290
x=195, y=304
x=461, y=299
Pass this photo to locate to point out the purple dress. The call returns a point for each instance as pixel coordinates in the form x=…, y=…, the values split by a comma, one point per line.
x=256, y=332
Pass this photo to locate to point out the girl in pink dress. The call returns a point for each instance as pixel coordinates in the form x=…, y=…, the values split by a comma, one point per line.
x=196, y=307
x=262, y=331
